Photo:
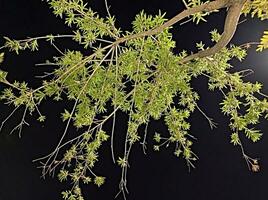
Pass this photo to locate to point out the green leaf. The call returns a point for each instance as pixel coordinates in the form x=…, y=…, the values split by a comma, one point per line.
x=122, y=162
x=86, y=180
x=1, y=57
x=41, y=118
x=50, y=38
x=3, y=76
x=65, y=194
x=254, y=135
x=156, y=148
x=178, y=152
x=34, y=45
x=235, y=139
x=66, y=115
x=157, y=137
x=63, y=174
x=99, y=180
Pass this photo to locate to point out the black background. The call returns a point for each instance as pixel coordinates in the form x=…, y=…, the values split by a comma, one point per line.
x=221, y=172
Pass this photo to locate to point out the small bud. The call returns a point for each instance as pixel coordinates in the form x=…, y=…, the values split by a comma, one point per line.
x=255, y=168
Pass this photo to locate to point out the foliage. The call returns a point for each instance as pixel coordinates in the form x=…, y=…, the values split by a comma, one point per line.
x=200, y=16
x=257, y=8
x=264, y=42
x=141, y=77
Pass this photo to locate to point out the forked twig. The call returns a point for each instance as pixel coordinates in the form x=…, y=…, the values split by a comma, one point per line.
x=212, y=124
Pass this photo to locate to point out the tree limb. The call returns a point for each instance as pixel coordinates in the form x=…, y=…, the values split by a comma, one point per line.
x=206, y=7
x=231, y=22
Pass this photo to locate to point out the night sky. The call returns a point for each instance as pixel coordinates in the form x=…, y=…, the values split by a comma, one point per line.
x=220, y=173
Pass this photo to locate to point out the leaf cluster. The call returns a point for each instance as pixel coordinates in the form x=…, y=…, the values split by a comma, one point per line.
x=142, y=77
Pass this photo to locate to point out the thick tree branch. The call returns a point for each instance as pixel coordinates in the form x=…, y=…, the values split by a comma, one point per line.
x=231, y=21
x=206, y=7
x=230, y=26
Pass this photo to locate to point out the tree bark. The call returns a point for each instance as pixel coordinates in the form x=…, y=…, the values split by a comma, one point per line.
x=230, y=26
x=233, y=14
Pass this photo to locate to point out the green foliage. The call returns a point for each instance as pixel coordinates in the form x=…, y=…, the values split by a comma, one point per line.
x=258, y=8
x=74, y=194
x=142, y=77
x=264, y=42
x=122, y=162
x=157, y=137
x=87, y=22
x=15, y=45
x=235, y=138
x=3, y=76
x=98, y=180
x=1, y=57
x=144, y=22
x=62, y=175
x=200, y=16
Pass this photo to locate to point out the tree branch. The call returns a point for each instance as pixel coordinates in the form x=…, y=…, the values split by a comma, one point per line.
x=230, y=26
x=231, y=22
x=206, y=7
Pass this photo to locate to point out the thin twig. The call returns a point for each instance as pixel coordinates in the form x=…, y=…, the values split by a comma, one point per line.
x=107, y=9
x=210, y=120
x=52, y=43
x=19, y=126
x=113, y=127
x=46, y=74
x=144, y=139
x=55, y=152
x=5, y=120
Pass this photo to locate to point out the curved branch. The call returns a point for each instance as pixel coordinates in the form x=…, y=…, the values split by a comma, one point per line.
x=230, y=26
x=233, y=14
x=206, y=7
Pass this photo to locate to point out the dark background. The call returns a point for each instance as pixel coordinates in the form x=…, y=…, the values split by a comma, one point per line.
x=221, y=172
